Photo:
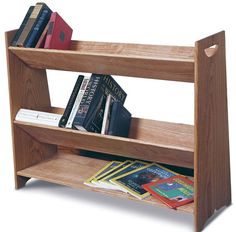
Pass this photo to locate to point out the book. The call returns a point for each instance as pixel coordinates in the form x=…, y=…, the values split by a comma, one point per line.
x=174, y=191
x=120, y=120
x=90, y=113
x=105, y=169
x=38, y=117
x=132, y=182
x=31, y=22
x=132, y=166
x=59, y=33
x=19, y=31
x=38, y=28
x=107, y=114
x=77, y=102
x=70, y=104
x=96, y=181
x=42, y=38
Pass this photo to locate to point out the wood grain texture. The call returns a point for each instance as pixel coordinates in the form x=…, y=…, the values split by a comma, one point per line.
x=28, y=88
x=135, y=60
x=175, y=153
x=72, y=170
x=211, y=163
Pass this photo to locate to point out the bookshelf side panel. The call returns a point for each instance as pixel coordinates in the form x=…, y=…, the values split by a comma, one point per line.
x=28, y=88
x=211, y=158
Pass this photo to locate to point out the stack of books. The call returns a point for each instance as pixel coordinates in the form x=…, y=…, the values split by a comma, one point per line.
x=141, y=180
x=42, y=28
x=95, y=105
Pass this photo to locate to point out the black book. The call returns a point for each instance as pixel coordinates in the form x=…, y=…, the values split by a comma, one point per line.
x=120, y=120
x=70, y=104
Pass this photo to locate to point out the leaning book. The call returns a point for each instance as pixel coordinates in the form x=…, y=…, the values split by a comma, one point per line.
x=133, y=181
x=174, y=191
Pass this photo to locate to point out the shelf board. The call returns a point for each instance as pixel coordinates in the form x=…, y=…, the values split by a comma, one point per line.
x=151, y=140
x=72, y=170
x=174, y=63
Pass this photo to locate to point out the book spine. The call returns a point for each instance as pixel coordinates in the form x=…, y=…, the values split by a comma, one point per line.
x=71, y=102
x=30, y=24
x=77, y=102
x=34, y=35
x=19, y=31
x=87, y=101
x=50, y=31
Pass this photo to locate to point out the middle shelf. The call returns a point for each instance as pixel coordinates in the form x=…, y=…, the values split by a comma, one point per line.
x=150, y=140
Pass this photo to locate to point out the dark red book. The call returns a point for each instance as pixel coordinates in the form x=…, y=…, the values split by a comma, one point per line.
x=59, y=33
x=174, y=191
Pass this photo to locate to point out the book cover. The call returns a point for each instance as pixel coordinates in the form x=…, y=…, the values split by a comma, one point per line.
x=97, y=182
x=70, y=104
x=134, y=180
x=90, y=114
x=31, y=22
x=174, y=191
x=105, y=169
x=38, y=117
x=132, y=166
x=19, y=31
x=120, y=120
x=38, y=28
x=59, y=33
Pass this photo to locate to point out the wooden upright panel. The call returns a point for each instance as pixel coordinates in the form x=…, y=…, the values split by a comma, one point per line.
x=211, y=163
x=28, y=88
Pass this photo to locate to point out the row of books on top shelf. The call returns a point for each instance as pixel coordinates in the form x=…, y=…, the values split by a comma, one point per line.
x=141, y=180
x=95, y=105
x=43, y=28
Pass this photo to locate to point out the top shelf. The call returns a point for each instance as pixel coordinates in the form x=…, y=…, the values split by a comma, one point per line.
x=175, y=63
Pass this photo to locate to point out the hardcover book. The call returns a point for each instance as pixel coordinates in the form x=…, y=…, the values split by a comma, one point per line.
x=134, y=180
x=70, y=104
x=22, y=26
x=42, y=38
x=105, y=169
x=120, y=120
x=59, y=33
x=90, y=113
x=174, y=191
x=36, y=21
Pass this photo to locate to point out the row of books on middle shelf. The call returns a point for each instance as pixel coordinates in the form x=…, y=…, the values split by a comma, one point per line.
x=141, y=180
x=95, y=105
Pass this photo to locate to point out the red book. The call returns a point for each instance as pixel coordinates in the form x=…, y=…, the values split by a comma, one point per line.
x=59, y=33
x=174, y=191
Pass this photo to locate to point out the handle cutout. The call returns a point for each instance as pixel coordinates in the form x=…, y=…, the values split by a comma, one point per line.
x=211, y=51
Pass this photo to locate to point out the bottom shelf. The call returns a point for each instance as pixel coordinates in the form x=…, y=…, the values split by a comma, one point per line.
x=72, y=170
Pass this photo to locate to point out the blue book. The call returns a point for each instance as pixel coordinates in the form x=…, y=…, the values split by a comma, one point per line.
x=18, y=33
x=38, y=28
x=120, y=120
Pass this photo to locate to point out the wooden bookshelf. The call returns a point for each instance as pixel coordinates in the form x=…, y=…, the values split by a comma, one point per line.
x=52, y=154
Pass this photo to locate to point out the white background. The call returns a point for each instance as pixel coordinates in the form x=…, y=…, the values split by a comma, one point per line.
x=47, y=207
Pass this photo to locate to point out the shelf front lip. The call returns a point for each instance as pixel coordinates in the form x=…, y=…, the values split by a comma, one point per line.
x=133, y=148
x=154, y=67
x=32, y=172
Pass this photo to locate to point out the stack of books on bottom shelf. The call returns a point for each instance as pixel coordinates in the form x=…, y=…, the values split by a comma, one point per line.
x=141, y=180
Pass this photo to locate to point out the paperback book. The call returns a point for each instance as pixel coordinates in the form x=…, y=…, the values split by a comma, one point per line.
x=134, y=180
x=174, y=191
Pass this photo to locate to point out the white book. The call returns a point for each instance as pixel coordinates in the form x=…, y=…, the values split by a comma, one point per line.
x=38, y=117
x=77, y=102
x=106, y=115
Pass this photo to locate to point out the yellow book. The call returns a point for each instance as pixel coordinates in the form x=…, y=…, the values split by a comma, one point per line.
x=105, y=169
x=132, y=182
